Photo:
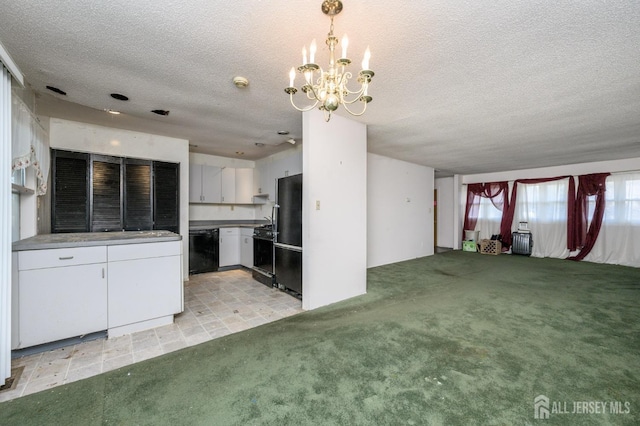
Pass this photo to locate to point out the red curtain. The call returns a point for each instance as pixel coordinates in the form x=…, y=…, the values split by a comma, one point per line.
x=507, y=219
x=497, y=192
x=589, y=185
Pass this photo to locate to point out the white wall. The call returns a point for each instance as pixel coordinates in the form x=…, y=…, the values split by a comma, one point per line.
x=219, y=211
x=334, y=240
x=399, y=210
x=446, y=207
x=82, y=137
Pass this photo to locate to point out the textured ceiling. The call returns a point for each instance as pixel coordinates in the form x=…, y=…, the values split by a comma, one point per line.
x=460, y=85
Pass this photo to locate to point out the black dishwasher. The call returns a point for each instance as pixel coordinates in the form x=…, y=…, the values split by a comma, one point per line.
x=203, y=251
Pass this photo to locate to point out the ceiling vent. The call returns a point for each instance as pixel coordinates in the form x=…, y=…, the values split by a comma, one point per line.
x=119, y=97
x=56, y=90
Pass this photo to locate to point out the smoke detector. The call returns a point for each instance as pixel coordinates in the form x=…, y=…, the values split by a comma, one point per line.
x=240, y=82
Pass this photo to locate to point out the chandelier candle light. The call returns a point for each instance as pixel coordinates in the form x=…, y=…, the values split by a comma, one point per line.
x=328, y=89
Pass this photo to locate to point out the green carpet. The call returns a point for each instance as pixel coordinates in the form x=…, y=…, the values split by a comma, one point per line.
x=456, y=338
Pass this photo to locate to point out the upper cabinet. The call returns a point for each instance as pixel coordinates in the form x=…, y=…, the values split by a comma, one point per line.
x=138, y=195
x=220, y=185
x=205, y=183
x=70, y=191
x=228, y=186
x=268, y=172
x=264, y=182
x=291, y=165
x=96, y=193
x=166, y=196
x=244, y=186
x=106, y=206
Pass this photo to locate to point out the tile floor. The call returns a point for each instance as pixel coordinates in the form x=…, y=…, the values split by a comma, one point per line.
x=216, y=304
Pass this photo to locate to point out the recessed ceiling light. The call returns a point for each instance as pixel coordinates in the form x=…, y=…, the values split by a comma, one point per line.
x=240, y=152
x=283, y=132
x=259, y=144
x=110, y=111
x=160, y=111
x=119, y=97
x=56, y=90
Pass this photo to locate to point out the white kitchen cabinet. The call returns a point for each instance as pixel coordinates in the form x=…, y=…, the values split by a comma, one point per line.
x=291, y=165
x=282, y=167
x=62, y=293
x=246, y=247
x=145, y=286
x=205, y=183
x=228, y=186
x=265, y=181
x=68, y=292
x=229, y=246
x=244, y=186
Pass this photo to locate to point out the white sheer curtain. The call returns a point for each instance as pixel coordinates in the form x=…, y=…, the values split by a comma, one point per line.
x=29, y=144
x=489, y=218
x=619, y=238
x=544, y=207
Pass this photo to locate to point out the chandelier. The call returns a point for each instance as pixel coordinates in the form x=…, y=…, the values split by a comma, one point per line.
x=327, y=89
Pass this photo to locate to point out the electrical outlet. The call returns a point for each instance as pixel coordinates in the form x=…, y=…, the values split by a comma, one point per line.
x=317, y=204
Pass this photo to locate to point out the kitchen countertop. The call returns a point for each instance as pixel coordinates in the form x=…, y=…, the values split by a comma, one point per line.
x=199, y=225
x=87, y=239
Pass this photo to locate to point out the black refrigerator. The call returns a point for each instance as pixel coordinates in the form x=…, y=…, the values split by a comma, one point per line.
x=288, y=235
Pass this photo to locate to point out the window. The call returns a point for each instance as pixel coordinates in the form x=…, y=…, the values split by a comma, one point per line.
x=489, y=219
x=619, y=238
x=542, y=202
x=622, y=200
x=544, y=206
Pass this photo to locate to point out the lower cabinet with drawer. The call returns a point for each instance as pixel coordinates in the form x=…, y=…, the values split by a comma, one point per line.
x=62, y=294
x=69, y=292
x=229, y=246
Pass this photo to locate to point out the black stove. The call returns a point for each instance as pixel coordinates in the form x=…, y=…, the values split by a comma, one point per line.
x=264, y=232
x=263, y=255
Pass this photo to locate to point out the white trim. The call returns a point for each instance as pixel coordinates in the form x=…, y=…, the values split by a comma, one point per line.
x=8, y=62
x=5, y=225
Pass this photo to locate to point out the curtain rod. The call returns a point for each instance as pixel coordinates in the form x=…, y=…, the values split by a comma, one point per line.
x=622, y=172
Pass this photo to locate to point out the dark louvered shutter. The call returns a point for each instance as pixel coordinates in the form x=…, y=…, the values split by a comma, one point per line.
x=137, y=195
x=106, y=211
x=70, y=192
x=166, y=197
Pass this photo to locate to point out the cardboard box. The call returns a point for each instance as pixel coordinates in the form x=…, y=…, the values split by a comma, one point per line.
x=469, y=246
